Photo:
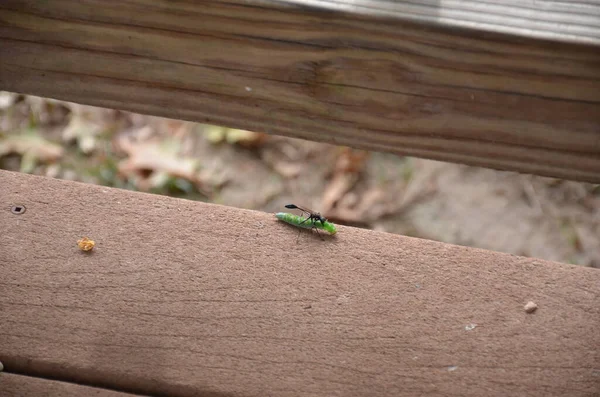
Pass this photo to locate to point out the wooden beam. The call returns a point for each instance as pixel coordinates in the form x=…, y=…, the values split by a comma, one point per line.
x=577, y=22
x=26, y=386
x=386, y=84
x=182, y=298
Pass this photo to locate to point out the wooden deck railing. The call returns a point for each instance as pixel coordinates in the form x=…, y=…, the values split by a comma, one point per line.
x=432, y=89
x=181, y=298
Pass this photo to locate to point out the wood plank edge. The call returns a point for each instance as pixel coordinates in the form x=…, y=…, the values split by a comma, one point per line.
x=25, y=385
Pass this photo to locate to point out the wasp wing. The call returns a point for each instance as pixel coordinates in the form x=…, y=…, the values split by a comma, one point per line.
x=297, y=207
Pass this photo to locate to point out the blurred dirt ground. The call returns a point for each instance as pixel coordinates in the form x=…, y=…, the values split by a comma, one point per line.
x=503, y=211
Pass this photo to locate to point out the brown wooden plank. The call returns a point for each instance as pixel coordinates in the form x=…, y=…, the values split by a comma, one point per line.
x=181, y=298
x=385, y=84
x=12, y=385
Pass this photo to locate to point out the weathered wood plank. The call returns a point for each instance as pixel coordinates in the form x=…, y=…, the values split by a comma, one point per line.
x=546, y=19
x=25, y=386
x=182, y=298
x=385, y=84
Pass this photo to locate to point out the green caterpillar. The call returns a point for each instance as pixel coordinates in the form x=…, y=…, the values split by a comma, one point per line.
x=306, y=223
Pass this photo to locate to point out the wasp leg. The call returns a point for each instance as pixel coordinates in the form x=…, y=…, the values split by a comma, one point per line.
x=319, y=233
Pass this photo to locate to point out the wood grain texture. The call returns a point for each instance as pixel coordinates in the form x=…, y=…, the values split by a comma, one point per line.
x=576, y=21
x=386, y=84
x=12, y=385
x=182, y=298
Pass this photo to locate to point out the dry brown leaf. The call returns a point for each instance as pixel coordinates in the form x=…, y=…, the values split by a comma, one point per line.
x=375, y=202
x=336, y=189
x=83, y=132
x=31, y=144
x=288, y=170
x=349, y=165
x=86, y=123
x=149, y=162
x=351, y=160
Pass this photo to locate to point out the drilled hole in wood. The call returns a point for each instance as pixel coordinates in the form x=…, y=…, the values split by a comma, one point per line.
x=17, y=209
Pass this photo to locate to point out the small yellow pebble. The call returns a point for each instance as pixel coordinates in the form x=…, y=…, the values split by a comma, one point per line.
x=530, y=307
x=85, y=244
